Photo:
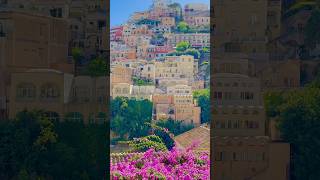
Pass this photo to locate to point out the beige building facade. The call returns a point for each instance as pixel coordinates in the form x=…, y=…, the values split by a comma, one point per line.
x=242, y=147
x=61, y=95
x=175, y=67
x=30, y=41
x=197, y=40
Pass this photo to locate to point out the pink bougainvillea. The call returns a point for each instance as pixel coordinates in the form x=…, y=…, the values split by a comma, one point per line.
x=170, y=165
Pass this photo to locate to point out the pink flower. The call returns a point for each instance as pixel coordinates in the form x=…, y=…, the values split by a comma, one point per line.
x=174, y=164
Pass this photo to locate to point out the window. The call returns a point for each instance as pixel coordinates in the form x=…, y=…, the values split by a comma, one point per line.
x=49, y=91
x=74, y=116
x=246, y=95
x=253, y=19
x=59, y=12
x=236, y=124
x=217, y=95
x=26, y=91
x=220, y=156
x=52, y=116
x=235, y=156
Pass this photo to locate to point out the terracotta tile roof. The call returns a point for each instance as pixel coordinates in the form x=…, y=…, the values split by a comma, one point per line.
x=201, y=134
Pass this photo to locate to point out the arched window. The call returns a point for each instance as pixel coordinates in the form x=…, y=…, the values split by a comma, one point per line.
x=26, y=91
x=74, y=117
x=52, y=116
x=49, y=91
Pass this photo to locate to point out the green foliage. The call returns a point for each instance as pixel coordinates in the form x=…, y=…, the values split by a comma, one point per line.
x=193, y=52
x=97, y=67
x=203, y=98
x=163, y=133
x=298, y=114
x=176, y=127
x=32, y=147
x=205, y=50
x=273, y=101
x=202, y=92
x=182, y=46
x=128, y=116
x=183, y=27
x=77, y=54
x=141, y=82
x=144, y=143
x=312, y=33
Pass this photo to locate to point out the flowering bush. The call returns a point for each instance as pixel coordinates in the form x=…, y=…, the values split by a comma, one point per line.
x=145, y=143
x=171, y=165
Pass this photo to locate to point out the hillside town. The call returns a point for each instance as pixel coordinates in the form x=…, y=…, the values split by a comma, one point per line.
x=240, y=78
x=162, y=54
x=159, y=87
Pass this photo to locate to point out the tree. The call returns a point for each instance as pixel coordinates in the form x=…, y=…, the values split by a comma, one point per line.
x=193, y=52
x=175, y=126
x=163, y=133
x=183, y=27
x=203, y=99
x=33, y=147
x=77, y=55
x=129, y=116
x=298, y=118
x=182, y=46
x=204, y=50
x=97, y=67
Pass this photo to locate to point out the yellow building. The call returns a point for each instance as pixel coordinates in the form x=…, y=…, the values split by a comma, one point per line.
x=121, y=74
x=242, y=148
x=121, y=90
x=61, y=95
x=30, y=41
x=175, y=67
x=241, y=26
x=86, y=20
x=197, y=40
x=177, y=106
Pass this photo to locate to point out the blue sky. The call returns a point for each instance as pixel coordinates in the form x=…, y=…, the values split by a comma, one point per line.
x=120, y=10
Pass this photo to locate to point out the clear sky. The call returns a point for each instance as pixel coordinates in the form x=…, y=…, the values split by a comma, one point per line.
x=120, y=10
